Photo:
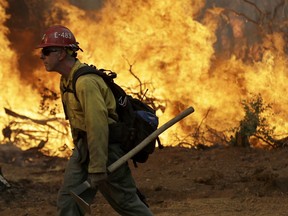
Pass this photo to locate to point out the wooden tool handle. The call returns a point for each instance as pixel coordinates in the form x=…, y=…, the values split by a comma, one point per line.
x=147, y=140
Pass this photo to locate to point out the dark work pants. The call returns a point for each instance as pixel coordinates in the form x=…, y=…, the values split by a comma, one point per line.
x=119, y=189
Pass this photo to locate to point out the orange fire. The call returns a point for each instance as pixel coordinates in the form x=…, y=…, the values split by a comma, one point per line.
x=172, y=46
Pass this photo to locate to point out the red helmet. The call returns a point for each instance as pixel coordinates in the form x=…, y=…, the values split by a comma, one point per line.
x=59, y=36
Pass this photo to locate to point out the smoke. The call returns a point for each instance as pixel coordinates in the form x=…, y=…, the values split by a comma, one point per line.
x=28, y=19
x=88, y=4
x=26, y=23
x=254, y=18
x=244, y=25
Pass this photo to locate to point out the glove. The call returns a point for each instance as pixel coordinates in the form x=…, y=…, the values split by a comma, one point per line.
x=96, y=178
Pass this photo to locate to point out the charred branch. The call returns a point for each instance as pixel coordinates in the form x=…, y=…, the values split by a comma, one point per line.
x=266, y=21
x=142, y=93
x=44, y=122
x=197, y=131
x=33, y=134
x=3, y=182
x=37, y=121
x=254, y=5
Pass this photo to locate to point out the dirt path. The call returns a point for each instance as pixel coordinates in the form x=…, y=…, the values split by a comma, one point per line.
x=176, y=181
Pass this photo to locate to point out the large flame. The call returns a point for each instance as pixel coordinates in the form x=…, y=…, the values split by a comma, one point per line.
x=193, y=54
x=13, y=91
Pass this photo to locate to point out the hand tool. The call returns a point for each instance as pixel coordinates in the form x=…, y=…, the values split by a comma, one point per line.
x=77, y=191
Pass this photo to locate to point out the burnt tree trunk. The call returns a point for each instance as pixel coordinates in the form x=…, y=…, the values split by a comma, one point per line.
x=242, y=140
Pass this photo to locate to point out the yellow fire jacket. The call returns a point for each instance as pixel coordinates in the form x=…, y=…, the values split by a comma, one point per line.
x=93, y=112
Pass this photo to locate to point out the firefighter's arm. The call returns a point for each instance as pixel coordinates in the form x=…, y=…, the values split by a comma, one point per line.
x=90, y=94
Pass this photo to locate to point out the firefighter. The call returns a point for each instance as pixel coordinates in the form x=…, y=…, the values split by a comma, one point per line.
x=90, y=117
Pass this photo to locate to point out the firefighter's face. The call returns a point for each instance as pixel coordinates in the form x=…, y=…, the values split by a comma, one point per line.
x=51, y=57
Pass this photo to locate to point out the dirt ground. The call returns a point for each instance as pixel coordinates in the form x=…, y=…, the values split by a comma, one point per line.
x=176, y=181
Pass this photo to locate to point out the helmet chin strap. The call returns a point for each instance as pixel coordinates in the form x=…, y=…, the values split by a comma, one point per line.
x=74, y=47
x=72, y=51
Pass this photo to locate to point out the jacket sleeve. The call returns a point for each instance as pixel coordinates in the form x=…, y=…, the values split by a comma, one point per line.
x=91, y=93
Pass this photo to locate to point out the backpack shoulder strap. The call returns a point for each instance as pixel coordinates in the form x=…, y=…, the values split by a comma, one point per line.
x=123, y=106
x=108, y=78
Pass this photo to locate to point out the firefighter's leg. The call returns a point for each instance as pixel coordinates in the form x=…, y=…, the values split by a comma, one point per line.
x=75, y=174
x=120, y=189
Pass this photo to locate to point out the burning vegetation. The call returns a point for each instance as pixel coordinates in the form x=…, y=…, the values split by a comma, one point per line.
x=225, y=58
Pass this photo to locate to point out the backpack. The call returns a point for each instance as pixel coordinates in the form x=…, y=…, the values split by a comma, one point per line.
x=138, y=119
